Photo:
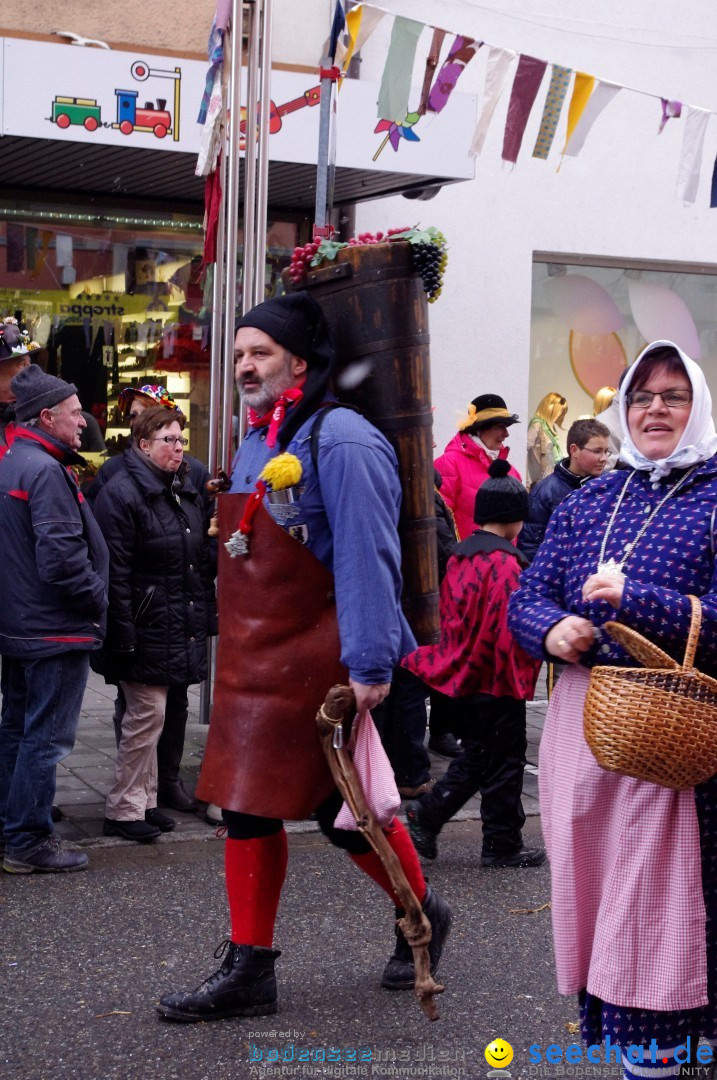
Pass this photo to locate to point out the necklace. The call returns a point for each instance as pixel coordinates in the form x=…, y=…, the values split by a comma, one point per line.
x=615, y=566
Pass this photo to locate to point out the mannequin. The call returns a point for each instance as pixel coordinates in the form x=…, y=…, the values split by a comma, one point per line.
x=605, y=407
x=544, y=451
x=603, y=399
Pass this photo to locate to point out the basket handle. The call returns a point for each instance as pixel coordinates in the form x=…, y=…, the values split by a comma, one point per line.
x=696, y=622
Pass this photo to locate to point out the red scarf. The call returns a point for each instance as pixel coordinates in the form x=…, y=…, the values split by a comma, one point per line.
x=275, y=417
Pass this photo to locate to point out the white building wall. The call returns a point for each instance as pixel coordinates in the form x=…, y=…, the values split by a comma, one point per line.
x=617, y=199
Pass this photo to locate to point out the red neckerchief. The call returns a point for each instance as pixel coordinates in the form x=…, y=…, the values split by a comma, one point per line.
x=275, y=417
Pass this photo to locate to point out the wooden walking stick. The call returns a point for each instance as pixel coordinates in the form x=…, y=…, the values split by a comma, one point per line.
x=333, y=719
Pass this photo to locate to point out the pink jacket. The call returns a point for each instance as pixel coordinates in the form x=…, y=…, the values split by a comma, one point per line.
x=464, y=468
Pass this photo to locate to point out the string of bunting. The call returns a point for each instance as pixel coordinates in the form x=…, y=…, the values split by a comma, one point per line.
x=589, y=98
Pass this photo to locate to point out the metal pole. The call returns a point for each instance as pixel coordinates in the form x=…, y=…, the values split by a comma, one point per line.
x=232, y=200
x=262, y=183
x=215, y=386
x=250, y=159
x=322, y=162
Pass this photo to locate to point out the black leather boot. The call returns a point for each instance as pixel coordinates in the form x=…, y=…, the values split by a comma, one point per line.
x=399, y=973
x=245, y=985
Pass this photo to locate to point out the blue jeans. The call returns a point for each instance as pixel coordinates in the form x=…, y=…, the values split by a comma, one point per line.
x=41, y=702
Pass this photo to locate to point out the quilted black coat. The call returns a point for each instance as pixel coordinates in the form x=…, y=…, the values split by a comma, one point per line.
x=161, y=596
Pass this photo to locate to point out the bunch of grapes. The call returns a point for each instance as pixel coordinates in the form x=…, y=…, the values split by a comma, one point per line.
x=301, y=260
x=429, y=260
x=428, y=250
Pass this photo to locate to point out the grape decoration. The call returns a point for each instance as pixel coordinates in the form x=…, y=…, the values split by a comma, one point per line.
x=429, y=251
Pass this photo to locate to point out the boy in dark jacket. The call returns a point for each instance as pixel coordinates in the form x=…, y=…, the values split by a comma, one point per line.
x=486, y=677
x=588, y=453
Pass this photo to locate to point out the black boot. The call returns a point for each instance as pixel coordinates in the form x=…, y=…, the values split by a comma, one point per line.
x=399, y=972
x=245, y=985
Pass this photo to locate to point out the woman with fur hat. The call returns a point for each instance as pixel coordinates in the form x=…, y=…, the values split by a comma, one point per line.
x=464, y=463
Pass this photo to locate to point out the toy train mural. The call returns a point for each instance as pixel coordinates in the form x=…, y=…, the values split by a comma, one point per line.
x=151, y=119
x=130, y=117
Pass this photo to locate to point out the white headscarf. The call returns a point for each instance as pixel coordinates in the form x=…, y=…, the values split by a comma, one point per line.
x=699, y=439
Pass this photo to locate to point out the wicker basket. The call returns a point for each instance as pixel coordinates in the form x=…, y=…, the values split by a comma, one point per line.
x=658, y=722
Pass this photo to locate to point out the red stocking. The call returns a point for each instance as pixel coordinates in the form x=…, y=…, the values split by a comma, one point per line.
x=402, y=845
x=255, y=871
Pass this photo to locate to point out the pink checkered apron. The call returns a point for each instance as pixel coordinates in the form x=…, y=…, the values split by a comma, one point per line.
x=627, y=903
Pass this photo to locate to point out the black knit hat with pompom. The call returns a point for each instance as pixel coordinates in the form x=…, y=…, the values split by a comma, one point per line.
x=501, y=498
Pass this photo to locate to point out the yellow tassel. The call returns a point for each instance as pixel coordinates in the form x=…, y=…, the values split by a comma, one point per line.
x=281, y=472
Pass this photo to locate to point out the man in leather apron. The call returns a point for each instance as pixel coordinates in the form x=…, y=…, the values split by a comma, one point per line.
x=310, y=598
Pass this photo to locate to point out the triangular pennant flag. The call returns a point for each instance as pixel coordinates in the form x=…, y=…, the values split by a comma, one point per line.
x=713, y=193
x=582, y=89
x=528, y=77
x=600, y=98
x=461, y=53
x=688, y=175
x=559, y=80
x=396, y=79
x=354, y=19
x=431, y=64
x=499, y=61
x=669, y=109
x=337, y=27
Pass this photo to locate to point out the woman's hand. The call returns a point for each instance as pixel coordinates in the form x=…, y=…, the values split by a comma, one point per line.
x=605, y=586
x=569, y=639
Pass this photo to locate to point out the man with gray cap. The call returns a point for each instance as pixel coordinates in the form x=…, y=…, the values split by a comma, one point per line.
x=52, y=613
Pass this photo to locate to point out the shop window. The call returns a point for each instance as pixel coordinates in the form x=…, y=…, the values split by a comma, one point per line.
x=588, y=322
x=117, y=301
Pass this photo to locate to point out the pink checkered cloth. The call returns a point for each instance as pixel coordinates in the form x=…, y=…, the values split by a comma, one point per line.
x=627, y=903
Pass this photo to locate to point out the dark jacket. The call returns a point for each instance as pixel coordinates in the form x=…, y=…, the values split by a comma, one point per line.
x=446, y=535
x=544, y=497
x=198, y=476
x=54, y=560
x=162, y=604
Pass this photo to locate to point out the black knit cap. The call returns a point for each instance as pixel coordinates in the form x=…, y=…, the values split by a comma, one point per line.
x=35, y=391
x=501, y=498
x=297, y=322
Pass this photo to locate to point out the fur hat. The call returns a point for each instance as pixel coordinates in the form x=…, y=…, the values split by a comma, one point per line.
x=501, y=498
x=35, y=391
x=297, y=322
x=487, y=409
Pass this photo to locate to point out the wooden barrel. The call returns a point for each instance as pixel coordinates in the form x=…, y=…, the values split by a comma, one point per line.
x=376, y=307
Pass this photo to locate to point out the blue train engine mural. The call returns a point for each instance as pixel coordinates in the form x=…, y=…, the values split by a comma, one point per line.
x=131, y=118
x=152, y=118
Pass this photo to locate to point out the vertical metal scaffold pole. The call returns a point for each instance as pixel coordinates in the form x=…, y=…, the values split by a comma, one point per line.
x=232, y=228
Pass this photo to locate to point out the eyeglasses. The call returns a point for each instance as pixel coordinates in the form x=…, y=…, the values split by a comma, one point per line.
x=172, y=440
x=673, y=399
x=597, y=453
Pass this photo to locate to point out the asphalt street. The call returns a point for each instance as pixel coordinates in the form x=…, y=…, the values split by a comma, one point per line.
x=85, y=956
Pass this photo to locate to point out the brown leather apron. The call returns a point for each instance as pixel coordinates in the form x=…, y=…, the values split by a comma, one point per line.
x=278, y=654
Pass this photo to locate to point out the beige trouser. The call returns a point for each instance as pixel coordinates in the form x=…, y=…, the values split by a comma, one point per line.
x=135, y=786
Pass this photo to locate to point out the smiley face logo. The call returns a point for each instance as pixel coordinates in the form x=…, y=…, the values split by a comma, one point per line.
x=499, y=1053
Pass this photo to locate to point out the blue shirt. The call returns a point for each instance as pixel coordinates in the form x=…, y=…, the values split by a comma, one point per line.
x=347, y=515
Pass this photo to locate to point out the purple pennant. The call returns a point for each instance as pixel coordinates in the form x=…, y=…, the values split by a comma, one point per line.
x=528, y=77
x=460, y=55
x=669, y=109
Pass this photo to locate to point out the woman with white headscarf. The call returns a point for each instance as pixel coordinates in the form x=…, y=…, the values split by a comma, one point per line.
x=633, y=865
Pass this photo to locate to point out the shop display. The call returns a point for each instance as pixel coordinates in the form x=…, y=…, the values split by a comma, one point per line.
x=544, y=450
